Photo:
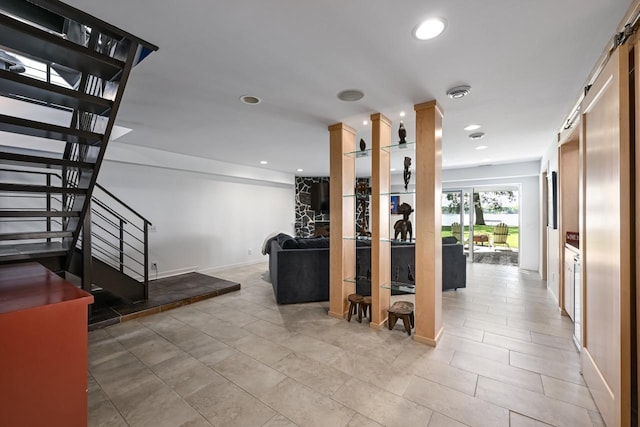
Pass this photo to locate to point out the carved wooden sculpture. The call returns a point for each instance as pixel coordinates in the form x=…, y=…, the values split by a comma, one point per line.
x=403, y=226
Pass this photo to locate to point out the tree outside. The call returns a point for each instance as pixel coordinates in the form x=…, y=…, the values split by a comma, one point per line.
x=494, y=202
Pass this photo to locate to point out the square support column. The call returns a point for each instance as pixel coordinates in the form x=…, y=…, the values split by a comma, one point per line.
x=428, y=223
x=380, y=212
x=342, y=252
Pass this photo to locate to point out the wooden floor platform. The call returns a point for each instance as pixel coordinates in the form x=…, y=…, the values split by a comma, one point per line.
x=164, y=294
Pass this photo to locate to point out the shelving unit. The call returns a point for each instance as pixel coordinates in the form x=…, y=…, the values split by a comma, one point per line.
x=426, y=155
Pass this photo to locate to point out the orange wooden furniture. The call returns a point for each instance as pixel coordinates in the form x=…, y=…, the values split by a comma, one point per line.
x=43, y=348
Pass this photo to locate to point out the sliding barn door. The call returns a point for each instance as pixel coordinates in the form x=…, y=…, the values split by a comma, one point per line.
x=605, y=240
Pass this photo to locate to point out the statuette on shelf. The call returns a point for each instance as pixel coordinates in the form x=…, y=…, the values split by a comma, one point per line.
x=407, y=173
x=363, y=145
x=410, y=274
x=403, y=226
x=402, y=133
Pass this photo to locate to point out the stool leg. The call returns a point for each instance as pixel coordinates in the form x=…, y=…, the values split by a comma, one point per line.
x=350, y=311
x=392, y=320
x=359, y=319
x=412, y=319
x=407, y=323
x=370, y=314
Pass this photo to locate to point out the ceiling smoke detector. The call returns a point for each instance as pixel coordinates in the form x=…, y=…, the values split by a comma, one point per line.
x=459, y=91
x=250, y=100
x=476, y=136
x=351, y=95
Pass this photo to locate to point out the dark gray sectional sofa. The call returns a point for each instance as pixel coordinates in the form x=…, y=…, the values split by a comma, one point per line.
x=299, y=268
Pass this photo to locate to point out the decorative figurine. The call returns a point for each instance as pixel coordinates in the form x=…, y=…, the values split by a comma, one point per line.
x=409, y=274
x=357, y=268
x=403, y=226
x=363, y=145
x=362, y=190
x=407, y=173
x=402, y=133
x=397, y=277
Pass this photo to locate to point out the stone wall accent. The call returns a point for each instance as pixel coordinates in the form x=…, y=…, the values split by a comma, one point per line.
x=306, y=218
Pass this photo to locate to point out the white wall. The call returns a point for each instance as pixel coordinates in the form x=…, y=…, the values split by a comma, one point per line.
x=207, y=214
x=525, y=175
x=548, y=164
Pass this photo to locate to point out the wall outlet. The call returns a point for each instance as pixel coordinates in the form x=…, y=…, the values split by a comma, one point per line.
x=154, y=265
x=249, y=251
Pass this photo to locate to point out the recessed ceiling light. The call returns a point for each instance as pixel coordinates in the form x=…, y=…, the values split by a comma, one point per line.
x=365, y=122
x=299, y=170
x=482, y=147
x=429, y=29
x=458, y=92
x=393, y=169
x=250, y=100
x=402, y=113
x=472, y=127
x=263, y=162
x=487, y=159
x=351, y=95
x=476, y=136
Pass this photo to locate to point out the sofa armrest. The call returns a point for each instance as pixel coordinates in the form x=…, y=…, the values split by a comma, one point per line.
x=302, y=275
x=454, y=267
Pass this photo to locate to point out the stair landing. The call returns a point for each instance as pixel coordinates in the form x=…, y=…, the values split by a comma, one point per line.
x=164, y=294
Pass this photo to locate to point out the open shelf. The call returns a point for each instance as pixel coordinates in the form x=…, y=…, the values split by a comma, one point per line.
x=399, y=193
x=396, y=286
x=359, y=153
x=401, y=148
x=399, y=286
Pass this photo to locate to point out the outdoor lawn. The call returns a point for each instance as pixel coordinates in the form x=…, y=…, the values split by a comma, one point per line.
x=512, y=240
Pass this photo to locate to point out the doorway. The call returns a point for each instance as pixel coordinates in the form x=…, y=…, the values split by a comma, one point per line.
x=495, y=234
x=486, y=220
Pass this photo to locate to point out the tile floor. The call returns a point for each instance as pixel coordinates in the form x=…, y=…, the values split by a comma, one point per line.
x=505, y=359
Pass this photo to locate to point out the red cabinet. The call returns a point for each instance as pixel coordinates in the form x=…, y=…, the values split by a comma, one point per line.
x=43, y=348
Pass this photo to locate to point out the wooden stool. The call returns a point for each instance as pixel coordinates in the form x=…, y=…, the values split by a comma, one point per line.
x=354, y=306
x=365, y=306
x=403, y=309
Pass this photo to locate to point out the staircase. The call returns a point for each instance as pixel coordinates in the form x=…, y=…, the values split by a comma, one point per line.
x=62, y=78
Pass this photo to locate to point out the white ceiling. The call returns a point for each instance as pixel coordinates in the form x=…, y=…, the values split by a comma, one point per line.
x=526, y=61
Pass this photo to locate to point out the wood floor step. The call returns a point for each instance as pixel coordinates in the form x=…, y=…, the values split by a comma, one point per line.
x=35, y=235
x=39, y=161
x=46, y=130
x=27, y=39
x=22, y=86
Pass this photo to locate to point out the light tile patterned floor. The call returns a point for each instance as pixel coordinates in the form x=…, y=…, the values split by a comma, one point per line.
x=506, y=358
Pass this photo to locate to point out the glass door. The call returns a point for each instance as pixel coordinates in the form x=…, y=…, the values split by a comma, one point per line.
x=453, y=215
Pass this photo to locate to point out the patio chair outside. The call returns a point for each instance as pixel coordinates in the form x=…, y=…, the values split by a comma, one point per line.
x=500, y=234
x=456, y=231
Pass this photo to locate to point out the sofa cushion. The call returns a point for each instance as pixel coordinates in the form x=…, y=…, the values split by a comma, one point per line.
x=313, y=243
x=287, y=242
x=449, y=240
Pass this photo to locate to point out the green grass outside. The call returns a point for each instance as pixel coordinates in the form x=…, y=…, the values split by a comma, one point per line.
x=512, y=239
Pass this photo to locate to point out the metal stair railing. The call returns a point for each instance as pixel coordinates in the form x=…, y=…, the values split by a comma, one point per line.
x=119, y=234
x=95, y=59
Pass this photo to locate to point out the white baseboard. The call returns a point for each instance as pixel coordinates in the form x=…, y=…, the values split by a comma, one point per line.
x=169, y=273
x=211, y=270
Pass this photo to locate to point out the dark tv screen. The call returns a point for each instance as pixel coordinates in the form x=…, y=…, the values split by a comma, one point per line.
x=320, y=196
